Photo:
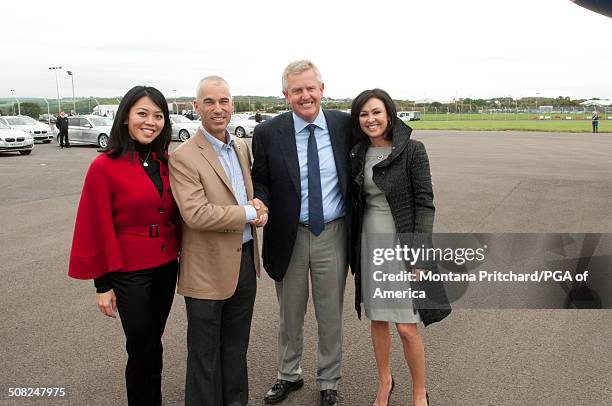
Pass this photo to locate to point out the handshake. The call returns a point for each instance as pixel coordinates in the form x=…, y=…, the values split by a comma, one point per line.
x=262, y=212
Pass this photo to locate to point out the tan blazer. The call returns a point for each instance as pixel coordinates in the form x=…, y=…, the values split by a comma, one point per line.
x=213, y=222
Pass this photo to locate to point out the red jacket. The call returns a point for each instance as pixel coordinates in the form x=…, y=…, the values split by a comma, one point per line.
x=122, y=223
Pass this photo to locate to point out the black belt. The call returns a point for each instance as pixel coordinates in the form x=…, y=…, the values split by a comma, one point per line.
x=329, y=222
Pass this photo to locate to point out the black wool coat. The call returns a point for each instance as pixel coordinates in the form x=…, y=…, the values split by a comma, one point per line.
x=405, y=178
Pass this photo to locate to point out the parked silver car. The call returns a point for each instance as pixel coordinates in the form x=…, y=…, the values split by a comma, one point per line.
x=40, y=131
x=14, y=140
x=94, y=130
x=241, y=126
x=182, y=127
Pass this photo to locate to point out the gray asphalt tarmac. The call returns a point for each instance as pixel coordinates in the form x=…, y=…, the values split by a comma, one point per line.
x=53, y=335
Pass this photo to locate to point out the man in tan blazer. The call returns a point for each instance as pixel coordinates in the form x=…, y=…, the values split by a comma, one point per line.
x=211, y=183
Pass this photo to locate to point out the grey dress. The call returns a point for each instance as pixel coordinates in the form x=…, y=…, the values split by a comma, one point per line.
x=379, y=228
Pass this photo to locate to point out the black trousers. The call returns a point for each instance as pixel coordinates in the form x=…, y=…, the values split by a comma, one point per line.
x=144, y=299
x=217, y=342
x=63, y=138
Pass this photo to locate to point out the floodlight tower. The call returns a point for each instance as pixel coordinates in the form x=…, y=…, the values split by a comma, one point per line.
x=59, y=104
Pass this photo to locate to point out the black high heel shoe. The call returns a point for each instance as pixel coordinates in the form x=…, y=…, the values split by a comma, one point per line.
x=390, y=392
x=427, y=398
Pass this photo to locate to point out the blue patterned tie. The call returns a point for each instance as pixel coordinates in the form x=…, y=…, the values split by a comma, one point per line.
x=315, y=199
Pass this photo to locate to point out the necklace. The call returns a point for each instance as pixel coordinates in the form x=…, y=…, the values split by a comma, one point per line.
x=144, y=161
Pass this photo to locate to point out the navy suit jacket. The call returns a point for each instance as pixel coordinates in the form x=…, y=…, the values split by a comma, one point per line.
x=276, y=182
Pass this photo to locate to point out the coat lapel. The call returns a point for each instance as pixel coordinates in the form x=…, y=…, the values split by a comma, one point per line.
x=401, y=137
x=286, y=139
x=211, y=156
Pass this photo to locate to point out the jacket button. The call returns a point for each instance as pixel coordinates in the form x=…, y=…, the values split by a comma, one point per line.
x=161, y=210
x=238, y=249
x=163, y=247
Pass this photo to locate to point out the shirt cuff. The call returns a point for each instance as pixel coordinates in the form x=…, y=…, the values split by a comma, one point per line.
x=251, y=213
x=103, y=283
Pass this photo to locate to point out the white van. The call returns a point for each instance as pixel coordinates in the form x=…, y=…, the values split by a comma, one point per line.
x=409, y=115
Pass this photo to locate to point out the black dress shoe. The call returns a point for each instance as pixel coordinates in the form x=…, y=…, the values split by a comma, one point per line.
x=281, y=389
x=329, y=397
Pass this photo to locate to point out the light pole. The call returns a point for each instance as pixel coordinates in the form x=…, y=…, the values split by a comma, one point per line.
x=97, y=104
x=17, y=100
x=59, y=104
x=69, y=72
x=48, y=113
x=175, y=103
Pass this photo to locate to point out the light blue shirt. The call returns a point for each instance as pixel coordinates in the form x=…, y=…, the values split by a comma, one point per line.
x=333, y=204
x=229, y=160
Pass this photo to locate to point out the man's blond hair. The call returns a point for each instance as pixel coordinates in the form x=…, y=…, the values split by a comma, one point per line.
x=297, y=67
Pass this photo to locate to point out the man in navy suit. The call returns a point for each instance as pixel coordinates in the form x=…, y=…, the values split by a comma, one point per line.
x=301, y=173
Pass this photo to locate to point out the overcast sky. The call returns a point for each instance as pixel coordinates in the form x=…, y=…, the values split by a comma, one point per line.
x=413, y=49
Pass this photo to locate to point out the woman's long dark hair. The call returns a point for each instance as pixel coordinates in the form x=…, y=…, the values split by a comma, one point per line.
x=121, y=143
x=358, y=135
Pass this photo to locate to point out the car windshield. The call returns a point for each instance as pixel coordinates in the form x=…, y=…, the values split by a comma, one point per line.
x=101, y=121
x=3, y=126
x=30, y=120
x=181, y=119
x=19, y=121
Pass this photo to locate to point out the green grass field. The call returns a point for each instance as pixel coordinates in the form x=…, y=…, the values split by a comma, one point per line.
x=507, y=116
x=572, y=126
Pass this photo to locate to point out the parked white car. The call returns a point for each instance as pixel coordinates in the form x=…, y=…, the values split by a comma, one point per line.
x=88, y=129
x=241, y=126
x=14, y=140
x=182, y=127
x=40, y=131
x=264, y=116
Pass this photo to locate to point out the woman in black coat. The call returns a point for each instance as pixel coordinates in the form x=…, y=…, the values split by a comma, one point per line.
x=393, y=205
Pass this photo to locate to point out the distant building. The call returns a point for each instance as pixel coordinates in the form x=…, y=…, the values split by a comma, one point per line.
x=595, y=102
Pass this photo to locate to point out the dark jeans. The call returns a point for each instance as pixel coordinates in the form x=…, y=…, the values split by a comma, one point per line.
x=217, y=342
x=144, y=299
x=63, y=138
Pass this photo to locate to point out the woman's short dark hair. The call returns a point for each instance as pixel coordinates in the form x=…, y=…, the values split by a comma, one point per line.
x=357, y=105
x=121, y=143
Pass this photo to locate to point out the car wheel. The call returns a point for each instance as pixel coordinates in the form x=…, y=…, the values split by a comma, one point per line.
x=184, y=135
x=103, y=140
x=240, y=133
x=26, y=152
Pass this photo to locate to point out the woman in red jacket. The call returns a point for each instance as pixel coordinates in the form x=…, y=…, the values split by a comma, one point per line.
x=126, y=237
